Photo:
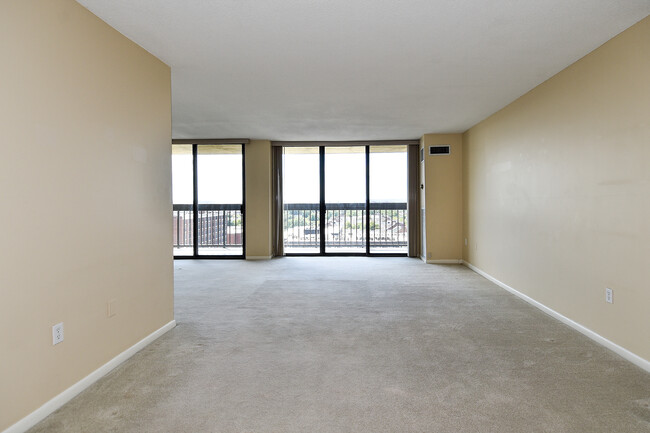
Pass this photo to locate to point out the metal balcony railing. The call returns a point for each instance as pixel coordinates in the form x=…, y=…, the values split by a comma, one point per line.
x=345, y=225
x=219, y=225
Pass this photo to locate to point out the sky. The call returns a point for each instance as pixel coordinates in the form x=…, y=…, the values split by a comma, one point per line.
x=220, y=178
x=345, y=178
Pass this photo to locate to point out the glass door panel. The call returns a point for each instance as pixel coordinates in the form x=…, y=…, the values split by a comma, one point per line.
x=220, y=198
x=345, y=199
x=301, y=200
x=388, y=197
x=182, y=198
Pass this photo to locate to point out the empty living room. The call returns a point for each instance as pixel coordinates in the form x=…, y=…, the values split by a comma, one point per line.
x=325, y=216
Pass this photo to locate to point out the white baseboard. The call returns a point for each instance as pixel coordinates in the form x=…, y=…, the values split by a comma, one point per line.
x=259, y=257
x=444, y=262
x=56, y=402
x=632, y=357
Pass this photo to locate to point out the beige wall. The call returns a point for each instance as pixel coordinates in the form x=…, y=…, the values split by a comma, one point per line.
x=557, y=191
x=85, y=186
x=258, y=199
x=442, y=198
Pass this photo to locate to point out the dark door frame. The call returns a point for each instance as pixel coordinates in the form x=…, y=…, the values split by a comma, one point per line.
x=323, y=210
x=195, y=199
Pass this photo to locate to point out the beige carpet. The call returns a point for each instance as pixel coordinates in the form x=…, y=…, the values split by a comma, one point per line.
x=359, y=345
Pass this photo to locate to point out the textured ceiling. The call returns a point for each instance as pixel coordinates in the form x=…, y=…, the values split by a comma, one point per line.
x=357, y=69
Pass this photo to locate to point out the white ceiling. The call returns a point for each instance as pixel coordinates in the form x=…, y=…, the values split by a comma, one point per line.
x=357, y=69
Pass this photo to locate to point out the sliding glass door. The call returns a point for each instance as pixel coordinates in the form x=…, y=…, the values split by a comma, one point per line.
x=220, y=200
x=208, y=200
x=183, y=199
x=355, y=196
x=301, y=197
x=388, y=191
x=345, y=199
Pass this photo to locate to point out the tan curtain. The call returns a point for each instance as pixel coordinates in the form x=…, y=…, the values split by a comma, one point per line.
x=277, y=210
x=413, y=204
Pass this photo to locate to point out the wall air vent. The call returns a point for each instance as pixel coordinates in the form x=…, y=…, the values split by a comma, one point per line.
x=439, y=150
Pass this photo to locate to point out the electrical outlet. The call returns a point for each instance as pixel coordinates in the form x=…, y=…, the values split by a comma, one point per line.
x=465, y=241
x=57, y=333
x=609, y=295
x=428, y=255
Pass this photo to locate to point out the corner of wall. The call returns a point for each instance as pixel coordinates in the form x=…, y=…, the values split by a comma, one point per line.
x=259, y=198
x=442, y=199
x=465, y=235
x=87, y=161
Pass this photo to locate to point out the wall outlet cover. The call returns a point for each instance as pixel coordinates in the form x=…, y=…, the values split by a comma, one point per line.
x=57, y=333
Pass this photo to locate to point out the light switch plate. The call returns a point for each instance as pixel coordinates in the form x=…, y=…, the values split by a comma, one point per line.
x=609, y=295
